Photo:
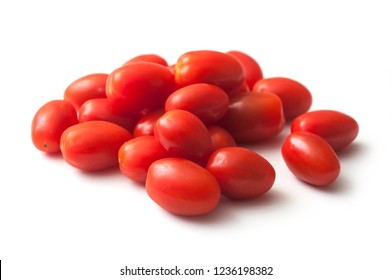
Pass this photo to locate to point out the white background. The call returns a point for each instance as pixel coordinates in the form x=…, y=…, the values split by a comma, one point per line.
x=60, y=223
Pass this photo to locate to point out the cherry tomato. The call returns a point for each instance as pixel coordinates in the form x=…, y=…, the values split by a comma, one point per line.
x=138, y=86
x=238, y=90
x=146, y=124
x=210, y=67
x=49, y=123
x=102, y=109
x=253, y=117
x=252, y=69
x=220, y=137
x=153, y=58
x=296, y=98
x=182, y=187
x=85, y=88
x=136, y=155
x=337, y=128
x=241, y=173
x=311, y=158
x=93, y=145
x=183, y=135
x=208, y=102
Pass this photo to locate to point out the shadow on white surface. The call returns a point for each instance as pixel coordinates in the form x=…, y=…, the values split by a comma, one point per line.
x=228, y=209
x=355, y=149
x=341, y=186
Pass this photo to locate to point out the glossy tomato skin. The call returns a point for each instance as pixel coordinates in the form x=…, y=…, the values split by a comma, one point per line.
x=85, y=88
x=211, y=67
x=296, y=98
x=337, y=128
x=182, y=187
x=136, y=155
x=145, y=125
x=252, y=69
x=93, y=145
x=153, y=58
x=310, y=158
x=102, y=109
x=184, y=135
x=49, y=122
x=239, y=90
x=241, y=173
x=254, y=117
x=220, y=137
x=138, y=86
x=208, y=102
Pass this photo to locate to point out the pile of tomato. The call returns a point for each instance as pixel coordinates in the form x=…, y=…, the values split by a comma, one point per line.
x=178, y=128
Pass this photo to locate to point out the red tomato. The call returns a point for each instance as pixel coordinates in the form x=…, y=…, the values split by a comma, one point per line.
x=138, y=86
x=182, y=187
x=85, y=88
x=238, y=90
x=253, y=117
x=311, y=158
x=49, y=123
x=153, y=58
x=210, y=67
x=338, y=129
x=183, y=135
x=145, y=125
x=208, y=102
x=93, y=145
x=102, y=109
x=296, y=98
x=252, y=69
x=220, y=137
x=136, y=156
x=241, y=173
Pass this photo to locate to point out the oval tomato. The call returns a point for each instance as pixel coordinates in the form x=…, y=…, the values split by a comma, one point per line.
x=139, y=86
x=136, y=155
x=210, y=67
x=49, y=123
x=101, y=109
x=296, y=98
x=337, y=128
x=93, y=145
x=241, y=173
x=310, y=158
x=238, y=90
x=153, y=58
x=220, y=137
x=146, y=124
x=85, y=88
x=252, y=69
x=183, y=135
x=254, y=117
x=208, y=102
x=182, y=187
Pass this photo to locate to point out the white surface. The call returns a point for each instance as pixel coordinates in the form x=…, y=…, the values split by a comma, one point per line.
x=59, y=223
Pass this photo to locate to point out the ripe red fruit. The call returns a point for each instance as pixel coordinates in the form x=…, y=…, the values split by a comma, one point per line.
x=253, y=117
x=296, y=98
x=183, y=135
x=93, y=145
x=136, y=155
x=310, y=158
x=182, y=187
x=337, y=128
x=211, y=67
x=49, y=123
x=241, y=173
